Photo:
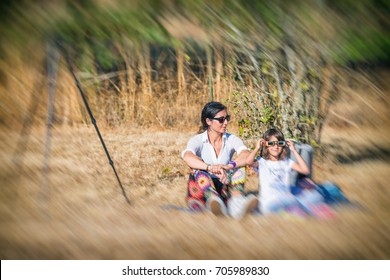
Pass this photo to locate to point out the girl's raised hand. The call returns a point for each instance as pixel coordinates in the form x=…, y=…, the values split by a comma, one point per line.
x=259, y=142
x=290, y=144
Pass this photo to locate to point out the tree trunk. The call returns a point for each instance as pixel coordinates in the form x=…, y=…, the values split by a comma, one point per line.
x=295, y=68
x=180, y=75
x=210, y=72
x=218, y=72
x=328, y=94
x=282, y=96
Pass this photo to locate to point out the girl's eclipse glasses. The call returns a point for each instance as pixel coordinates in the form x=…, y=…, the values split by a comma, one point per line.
x=273, y=143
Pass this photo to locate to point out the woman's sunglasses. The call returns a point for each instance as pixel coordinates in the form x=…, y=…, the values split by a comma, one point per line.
x=221, y=119
x=273, y=143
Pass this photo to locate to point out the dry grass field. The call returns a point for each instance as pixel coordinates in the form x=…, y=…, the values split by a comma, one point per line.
x=81, y=214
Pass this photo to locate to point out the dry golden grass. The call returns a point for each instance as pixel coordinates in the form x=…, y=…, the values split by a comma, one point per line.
x=83, y=215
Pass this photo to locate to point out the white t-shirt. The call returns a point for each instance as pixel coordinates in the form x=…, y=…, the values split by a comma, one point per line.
x=274, y=182
x=201, y=147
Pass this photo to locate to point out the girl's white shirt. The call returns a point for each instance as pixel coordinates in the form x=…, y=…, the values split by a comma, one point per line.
x=274, y=178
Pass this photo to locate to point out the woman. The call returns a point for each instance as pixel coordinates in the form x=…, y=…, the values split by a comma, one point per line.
x=216, y=181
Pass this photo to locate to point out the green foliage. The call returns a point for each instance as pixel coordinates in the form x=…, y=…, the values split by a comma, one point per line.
x=367, y=45
x=360, y=27
x=280, y=99
x=166, y=170
x=275, y=49
x=253, y=116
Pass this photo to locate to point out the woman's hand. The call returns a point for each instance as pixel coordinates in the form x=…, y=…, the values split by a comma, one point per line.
x=222, y=176
x=227, y=167
x=215, y=168
x=219, y=171
x=230, y=166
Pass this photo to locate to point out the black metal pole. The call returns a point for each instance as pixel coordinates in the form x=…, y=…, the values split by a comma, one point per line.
x=70, y=67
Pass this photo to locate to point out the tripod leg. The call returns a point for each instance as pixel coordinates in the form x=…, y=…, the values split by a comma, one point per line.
x=53, y=56
x=18, y=154
x=93, y=120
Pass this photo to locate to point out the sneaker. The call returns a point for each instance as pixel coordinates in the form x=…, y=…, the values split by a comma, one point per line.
x=239, y=206
x=217, y=206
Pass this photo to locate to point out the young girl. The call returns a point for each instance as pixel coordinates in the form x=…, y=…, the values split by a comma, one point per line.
x=274, y=168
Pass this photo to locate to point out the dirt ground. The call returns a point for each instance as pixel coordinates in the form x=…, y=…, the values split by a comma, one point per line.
x=80, y=212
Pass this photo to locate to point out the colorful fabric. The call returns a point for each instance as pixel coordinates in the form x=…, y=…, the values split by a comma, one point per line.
x=331, y=193
x=237, y=179
x=201, y=186
x=238, y=176
x=313, y=199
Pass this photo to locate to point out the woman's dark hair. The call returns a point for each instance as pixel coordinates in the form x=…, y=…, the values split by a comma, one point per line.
x=210, y=110
x=279, y=135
